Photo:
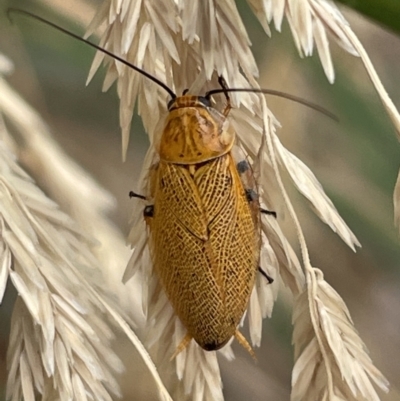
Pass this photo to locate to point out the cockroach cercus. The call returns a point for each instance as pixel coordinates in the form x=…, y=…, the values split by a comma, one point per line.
x=204, y=220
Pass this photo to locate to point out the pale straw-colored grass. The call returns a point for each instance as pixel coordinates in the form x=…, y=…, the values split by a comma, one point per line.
x=187, y=45
x=60, y=339
x=58, y=336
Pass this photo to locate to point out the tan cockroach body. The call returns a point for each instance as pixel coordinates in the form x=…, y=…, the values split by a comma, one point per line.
x=204, y=230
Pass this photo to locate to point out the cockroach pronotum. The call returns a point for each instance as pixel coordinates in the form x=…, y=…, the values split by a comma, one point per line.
x=204, y=220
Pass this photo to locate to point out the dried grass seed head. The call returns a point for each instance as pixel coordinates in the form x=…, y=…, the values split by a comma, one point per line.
x=57, y=328
x=160, y=38
x=64, y=350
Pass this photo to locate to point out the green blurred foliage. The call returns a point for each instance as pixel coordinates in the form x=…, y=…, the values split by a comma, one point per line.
x=384, y=12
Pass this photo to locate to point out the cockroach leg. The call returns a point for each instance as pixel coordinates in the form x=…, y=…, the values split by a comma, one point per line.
x=269, y=278
x=224, y=86
x=244, y=343
x=135, y=195
x=148, y=211
x=242, y=166
x=251, y=195
x=269, y=212
x=182, y=345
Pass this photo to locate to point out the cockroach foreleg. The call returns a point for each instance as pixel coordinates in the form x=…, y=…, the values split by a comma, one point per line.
x=244, y=343
x=269, y=278
x=224, y=86
x=182, y=345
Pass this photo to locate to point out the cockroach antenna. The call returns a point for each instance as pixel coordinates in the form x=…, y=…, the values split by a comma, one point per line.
x=99, y=48
x=224, y=89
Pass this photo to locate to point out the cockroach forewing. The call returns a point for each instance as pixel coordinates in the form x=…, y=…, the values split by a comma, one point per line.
x=204, y=246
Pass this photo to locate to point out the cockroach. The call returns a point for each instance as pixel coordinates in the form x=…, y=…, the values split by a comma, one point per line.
x=205, y=233
x=204, y=221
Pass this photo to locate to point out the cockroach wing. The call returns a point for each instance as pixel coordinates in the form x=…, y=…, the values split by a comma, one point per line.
x=204, y=245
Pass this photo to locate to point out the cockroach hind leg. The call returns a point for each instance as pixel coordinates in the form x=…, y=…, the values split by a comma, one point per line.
x=269, y=212
x=244, y=343
x=182, y=345
x=269, y=278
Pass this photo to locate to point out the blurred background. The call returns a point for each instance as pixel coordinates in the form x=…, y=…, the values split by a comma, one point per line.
x=356, y=161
